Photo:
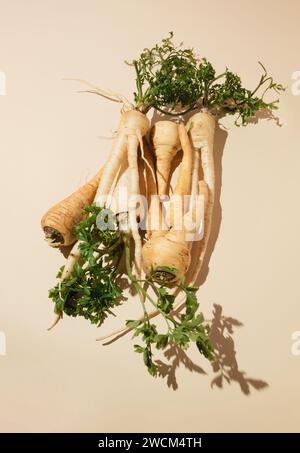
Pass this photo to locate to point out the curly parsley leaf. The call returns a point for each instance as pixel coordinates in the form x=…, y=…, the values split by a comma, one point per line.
x=174, y=80
x=93, y=288
x=187, y=328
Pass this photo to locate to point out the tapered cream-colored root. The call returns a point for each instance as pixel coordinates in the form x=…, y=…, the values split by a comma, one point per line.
x=132, y=151
x=195, y=176
x=203, y=191
x=135, y=125
x=202, y=130
x=131, y=122
x=156, y=225
x=194, y=219
x=146, y=161
x=177, y=206
x=151, y=184
x=183, y=186
x=166, y=144
x=56, y=321
x=151, y=191
x=60, y=220
x=111, y=168
x=71, y=261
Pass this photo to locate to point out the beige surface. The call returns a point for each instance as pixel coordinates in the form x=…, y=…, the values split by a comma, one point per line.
x=50, y=142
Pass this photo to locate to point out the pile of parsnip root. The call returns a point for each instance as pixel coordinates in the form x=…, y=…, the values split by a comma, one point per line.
x=159, y=231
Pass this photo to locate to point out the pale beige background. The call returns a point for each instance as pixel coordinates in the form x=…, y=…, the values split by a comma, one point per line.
x=50, y=143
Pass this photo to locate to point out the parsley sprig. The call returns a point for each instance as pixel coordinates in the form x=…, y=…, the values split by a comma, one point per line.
x=182, y=330
x=175, y=81
x=94, y=287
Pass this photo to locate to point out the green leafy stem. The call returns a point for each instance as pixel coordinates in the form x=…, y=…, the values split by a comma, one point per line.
x=182, y=330
x=95, y=288
x=175, y=81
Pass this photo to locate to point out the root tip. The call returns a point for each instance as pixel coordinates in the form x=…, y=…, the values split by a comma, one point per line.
x=56, y=321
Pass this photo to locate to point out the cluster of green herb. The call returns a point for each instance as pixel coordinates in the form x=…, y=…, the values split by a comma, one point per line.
x=93, y=288
x=181, y=330
x=174, y=81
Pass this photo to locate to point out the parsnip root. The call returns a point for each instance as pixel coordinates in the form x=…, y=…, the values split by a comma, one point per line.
x=166, y=144
x=60, y=221
x=202, y=128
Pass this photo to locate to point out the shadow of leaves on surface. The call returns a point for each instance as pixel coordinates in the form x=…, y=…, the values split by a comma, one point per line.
x=177, y=357
x=266, y=114
x=224, y=365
